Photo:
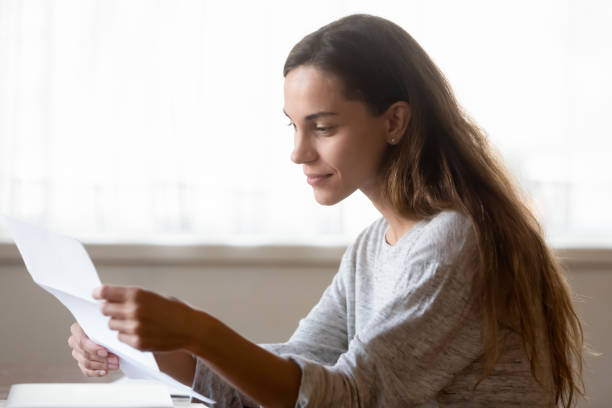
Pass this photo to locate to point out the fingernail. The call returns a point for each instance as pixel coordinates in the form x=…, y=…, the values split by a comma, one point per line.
x=102, y=353
x=113, y=361
x=102, y=372
x=113, y=366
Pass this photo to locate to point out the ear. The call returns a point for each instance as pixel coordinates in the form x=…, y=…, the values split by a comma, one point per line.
x=397, y=118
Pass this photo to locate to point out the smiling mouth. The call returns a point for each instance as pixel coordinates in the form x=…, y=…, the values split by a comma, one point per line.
x=317, y=179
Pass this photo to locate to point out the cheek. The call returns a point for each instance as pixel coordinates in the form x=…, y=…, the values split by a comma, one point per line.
x=344, y=155
x=356, y=163
x=366, y=152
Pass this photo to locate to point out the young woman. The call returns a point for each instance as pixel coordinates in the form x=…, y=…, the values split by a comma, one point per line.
x=451, y=298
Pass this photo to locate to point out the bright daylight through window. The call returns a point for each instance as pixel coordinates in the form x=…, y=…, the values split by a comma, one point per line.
x=162, y=121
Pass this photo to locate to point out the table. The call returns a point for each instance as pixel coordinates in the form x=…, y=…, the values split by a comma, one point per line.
x=43, y=373
x=177, y=404
x=58, y=373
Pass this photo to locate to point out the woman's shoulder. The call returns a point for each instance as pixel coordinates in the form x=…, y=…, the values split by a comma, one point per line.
x=373, y=232
x=438, y=238
x=448, y=224
x=443, y=237
x=368, y=240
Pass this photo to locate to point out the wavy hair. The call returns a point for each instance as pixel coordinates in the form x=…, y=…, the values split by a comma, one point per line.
x=444, y=161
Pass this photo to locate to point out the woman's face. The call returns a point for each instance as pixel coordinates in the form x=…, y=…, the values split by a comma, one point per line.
x=338, y=142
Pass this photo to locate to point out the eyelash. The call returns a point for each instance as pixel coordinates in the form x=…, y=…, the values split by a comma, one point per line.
x=317, y=128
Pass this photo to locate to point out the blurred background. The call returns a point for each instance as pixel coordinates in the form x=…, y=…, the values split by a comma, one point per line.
x=153, y=132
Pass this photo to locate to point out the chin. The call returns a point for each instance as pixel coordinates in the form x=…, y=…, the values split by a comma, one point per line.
x=329, y=199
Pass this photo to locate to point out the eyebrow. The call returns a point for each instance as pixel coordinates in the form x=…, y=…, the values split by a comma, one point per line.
x=316, y=115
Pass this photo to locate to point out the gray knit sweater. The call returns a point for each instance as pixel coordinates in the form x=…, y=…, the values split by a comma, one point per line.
x=397, y=328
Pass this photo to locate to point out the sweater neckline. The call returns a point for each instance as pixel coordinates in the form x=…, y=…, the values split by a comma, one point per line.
x=404, y=237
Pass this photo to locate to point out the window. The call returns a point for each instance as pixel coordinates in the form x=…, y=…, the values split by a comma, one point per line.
x=162, y=121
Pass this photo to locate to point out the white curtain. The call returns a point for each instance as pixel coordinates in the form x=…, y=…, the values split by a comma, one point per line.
x=162, y=120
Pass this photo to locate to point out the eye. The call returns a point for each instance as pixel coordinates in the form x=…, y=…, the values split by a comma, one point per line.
x=324, y=129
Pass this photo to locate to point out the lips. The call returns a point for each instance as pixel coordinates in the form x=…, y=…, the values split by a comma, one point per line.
x=315, y=179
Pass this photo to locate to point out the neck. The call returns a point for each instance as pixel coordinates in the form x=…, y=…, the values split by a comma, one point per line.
x=399, y=224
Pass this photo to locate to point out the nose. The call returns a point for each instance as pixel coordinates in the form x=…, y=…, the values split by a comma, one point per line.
x=303, y=151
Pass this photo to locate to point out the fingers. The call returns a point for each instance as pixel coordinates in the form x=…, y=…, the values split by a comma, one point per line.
x=132, y=340
x=93, y=359
x=88, y=348
x=79, y=339
x=125, y=326
x=115, y=293
x=121, y=311
x=93, y=350
x=87, y=363
x=92, y=373
x=74, y=344
x=93, y=368
x=76, y=329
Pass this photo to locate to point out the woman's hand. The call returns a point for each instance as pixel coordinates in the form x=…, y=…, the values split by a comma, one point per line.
x=146, y=320
x=93, y=359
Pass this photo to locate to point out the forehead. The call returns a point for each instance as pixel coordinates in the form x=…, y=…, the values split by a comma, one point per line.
x=310, y=89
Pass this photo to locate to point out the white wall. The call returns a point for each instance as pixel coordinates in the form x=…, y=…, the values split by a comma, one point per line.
x=594, y=289
x=264, y=303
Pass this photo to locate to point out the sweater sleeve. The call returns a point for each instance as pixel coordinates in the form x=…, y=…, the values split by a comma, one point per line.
x=321, y=337
x=208, y=383
x=408, y=351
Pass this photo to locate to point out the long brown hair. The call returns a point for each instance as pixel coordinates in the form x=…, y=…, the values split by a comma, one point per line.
x=444, y=161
